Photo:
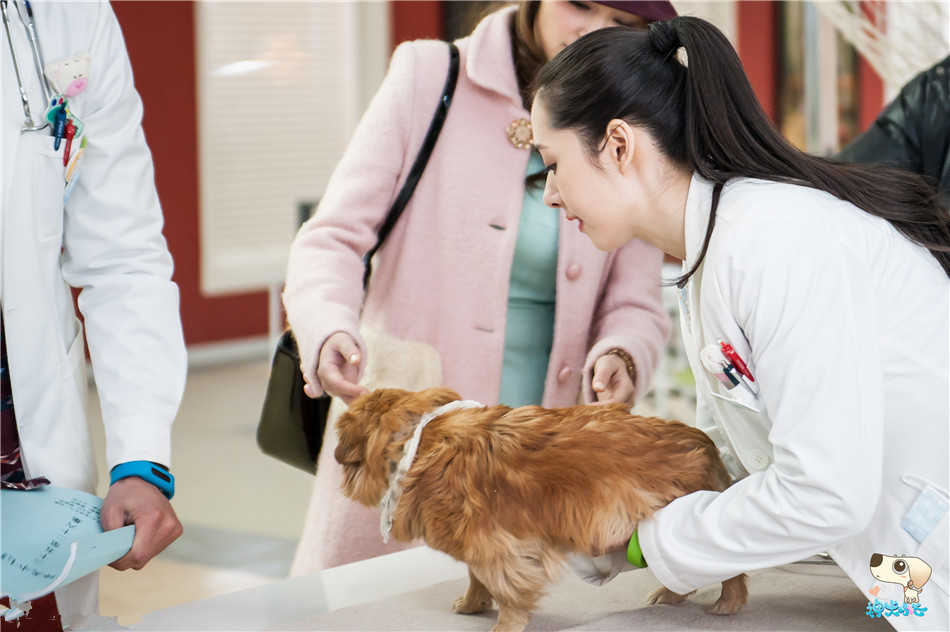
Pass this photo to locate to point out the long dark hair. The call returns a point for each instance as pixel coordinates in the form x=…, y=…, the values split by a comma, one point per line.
x=705, y=117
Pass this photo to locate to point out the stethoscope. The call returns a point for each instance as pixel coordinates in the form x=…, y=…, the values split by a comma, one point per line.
x=26, y=19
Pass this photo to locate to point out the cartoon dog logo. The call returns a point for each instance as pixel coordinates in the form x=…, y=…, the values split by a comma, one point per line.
x=910, y=572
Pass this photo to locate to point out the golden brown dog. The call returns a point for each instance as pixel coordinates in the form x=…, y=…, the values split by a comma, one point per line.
x=512, y=491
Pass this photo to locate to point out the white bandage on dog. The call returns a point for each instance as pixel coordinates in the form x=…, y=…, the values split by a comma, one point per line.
x=387, y=506
x=599, y=570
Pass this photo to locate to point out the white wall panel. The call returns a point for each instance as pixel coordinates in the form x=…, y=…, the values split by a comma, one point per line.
x=281, y=86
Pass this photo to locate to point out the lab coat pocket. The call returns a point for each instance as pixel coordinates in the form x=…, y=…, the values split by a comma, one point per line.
x=746, y=428
x=926, y=521
x=46, y=191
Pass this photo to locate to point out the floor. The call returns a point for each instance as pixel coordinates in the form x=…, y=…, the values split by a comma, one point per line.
x=242, y=511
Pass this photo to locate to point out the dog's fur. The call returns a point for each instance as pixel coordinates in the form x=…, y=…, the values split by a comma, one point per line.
x=511, y=492
x=912, y=575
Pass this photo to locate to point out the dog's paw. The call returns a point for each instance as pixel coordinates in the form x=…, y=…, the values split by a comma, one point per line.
x=508, y=627
x=465, y=605
x=734, y=596
x=726, y=606
x=666, y=596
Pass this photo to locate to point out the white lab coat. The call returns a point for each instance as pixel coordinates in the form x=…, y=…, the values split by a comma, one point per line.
x=844, y=324
x=108, y=242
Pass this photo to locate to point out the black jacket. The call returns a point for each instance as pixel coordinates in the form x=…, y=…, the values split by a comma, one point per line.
x=913, y=131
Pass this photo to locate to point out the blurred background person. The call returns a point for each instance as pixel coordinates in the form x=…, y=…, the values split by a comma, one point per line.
x=913, y=130
x=83, y=212
x=479, y=287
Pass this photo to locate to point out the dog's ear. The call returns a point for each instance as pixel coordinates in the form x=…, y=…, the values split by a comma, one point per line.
x=361, y=422
x=393, y=416
x=919, y=571
x=371, y=406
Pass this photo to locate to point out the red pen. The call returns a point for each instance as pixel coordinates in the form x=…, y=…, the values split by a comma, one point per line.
x=734, y=358
x=69, y=133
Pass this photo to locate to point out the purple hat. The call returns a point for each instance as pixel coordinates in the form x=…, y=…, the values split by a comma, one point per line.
x=646, y=9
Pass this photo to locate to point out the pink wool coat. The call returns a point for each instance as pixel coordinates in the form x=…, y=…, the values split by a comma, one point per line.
x=435, y=310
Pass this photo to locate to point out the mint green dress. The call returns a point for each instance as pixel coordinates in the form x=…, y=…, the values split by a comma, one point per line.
x=529, y=327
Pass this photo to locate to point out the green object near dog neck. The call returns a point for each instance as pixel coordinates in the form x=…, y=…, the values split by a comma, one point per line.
x=634, y=554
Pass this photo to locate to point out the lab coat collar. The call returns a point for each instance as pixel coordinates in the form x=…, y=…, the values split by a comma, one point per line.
x=490, y=60
x=698, y=201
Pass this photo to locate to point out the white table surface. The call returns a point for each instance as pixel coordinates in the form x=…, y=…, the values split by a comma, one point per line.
x=414, y=590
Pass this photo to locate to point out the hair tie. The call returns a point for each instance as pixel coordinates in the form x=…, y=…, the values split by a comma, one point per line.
x=664, y=38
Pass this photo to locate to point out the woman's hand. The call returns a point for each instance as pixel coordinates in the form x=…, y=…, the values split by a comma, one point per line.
x=338, y=368
x=603, y=568
x=612, y=382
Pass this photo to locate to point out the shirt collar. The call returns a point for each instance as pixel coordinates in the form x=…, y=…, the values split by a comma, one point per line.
x=698, y=201
x=490, y=60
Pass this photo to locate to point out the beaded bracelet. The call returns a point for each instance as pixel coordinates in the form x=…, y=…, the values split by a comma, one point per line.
x=628, y=362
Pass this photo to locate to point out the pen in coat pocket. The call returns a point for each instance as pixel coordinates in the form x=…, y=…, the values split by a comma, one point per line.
x=733, y=358
x=738, y=378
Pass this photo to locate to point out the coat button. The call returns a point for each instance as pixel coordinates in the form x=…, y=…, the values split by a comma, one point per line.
x=573, y=271
x=759, y=460
x=564, y=374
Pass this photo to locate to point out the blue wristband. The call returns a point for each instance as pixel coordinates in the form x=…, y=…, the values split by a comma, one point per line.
x=157, y=475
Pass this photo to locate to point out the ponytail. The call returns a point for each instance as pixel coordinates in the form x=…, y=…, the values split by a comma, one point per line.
x=704, y=116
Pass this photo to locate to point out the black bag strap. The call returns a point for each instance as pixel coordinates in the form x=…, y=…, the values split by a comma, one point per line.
x=415, y=173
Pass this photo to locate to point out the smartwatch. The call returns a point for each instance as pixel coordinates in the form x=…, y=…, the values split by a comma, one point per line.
x=155, y=473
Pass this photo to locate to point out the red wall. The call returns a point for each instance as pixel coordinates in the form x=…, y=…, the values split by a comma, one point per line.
x=871, y=88
x=870, y=85
x=160, y=37
x=757, y=30
x=415, y=19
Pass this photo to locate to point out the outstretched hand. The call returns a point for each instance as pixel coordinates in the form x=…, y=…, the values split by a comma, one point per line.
x=602, y=569
x=338, y=368
x=611, y=382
